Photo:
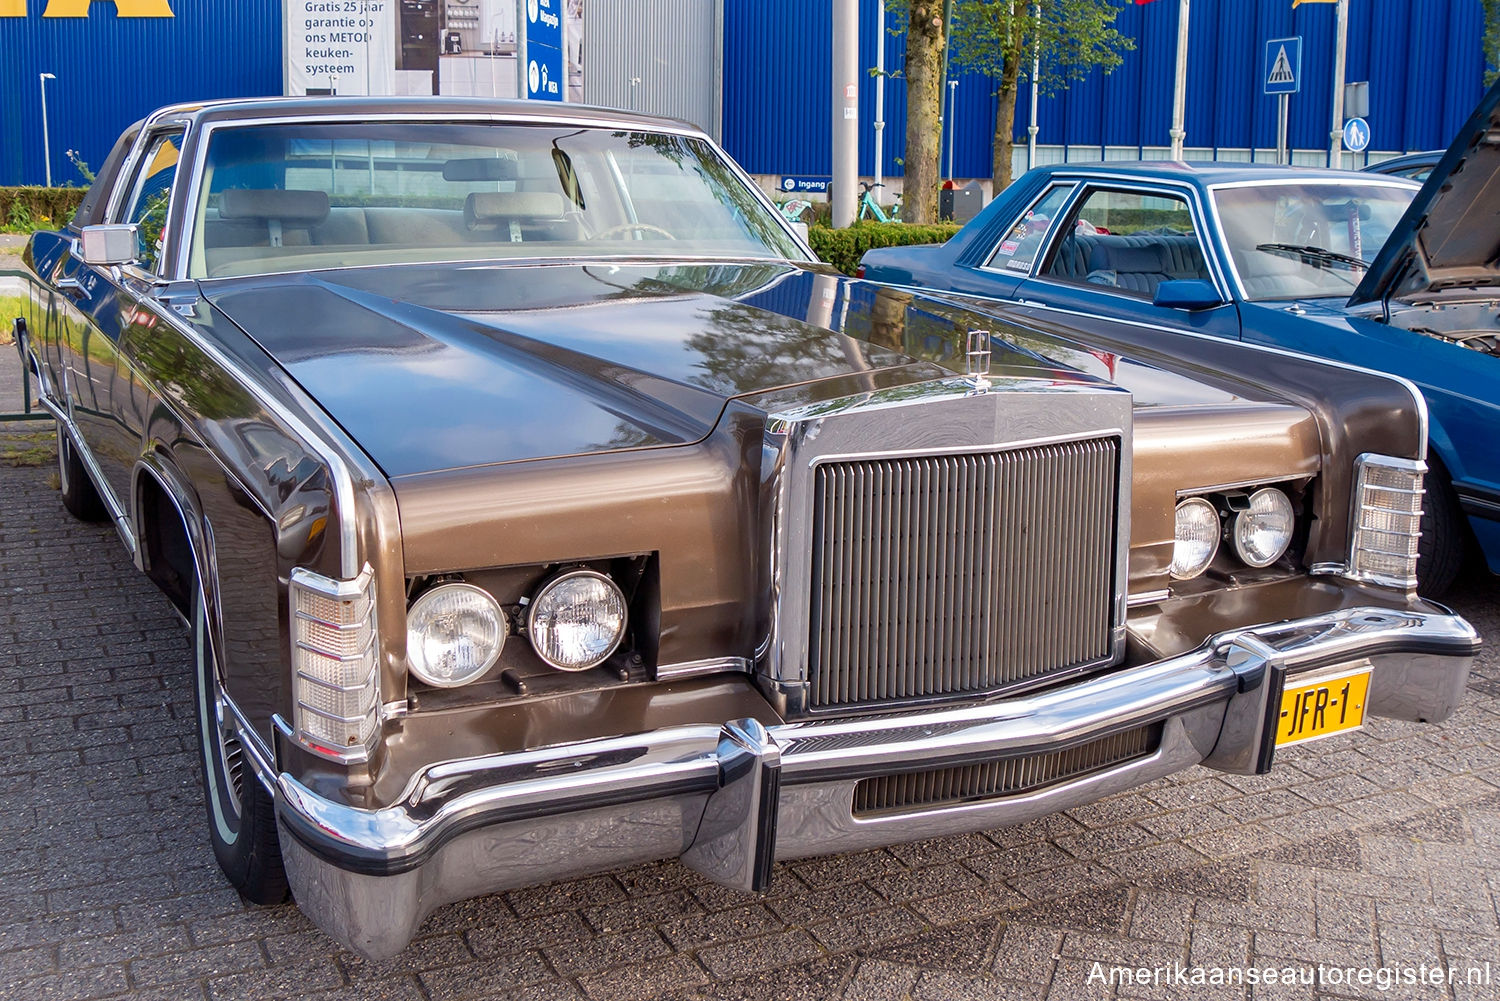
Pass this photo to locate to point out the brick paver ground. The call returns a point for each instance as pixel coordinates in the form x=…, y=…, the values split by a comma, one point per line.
x=1374, y=849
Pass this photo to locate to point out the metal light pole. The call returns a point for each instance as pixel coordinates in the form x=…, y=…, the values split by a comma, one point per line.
x=1336, y=133
x=1179, y=93
x=46, y=139
x=880, y=100
x=845, y=111
x=1036, y=71
x=952, y=123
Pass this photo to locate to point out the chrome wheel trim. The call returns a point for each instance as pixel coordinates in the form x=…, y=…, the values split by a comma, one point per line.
x=62, y=458
x=214, y=734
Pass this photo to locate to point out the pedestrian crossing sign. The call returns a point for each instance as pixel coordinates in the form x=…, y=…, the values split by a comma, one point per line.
x=1284, y=65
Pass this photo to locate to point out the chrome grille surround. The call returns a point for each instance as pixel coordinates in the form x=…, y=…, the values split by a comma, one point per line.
x=935, y=575
x=1006, y=777
x=936, y=421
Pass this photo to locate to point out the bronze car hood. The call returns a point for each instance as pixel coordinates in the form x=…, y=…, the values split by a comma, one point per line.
x=437, y=367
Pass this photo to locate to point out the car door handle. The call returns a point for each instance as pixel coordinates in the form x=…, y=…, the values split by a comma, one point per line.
x=70, y=286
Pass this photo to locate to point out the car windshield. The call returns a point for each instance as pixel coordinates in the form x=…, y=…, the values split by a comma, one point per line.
x=279, y=198
x=1305, y=240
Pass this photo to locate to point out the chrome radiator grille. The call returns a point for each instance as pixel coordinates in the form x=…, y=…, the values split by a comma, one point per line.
x=941, y=574
x=993, y=779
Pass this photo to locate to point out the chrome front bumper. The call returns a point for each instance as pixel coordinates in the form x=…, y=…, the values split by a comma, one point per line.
x=729, y=799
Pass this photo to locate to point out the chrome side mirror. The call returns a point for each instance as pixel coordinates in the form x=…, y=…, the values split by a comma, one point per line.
x=107, y=245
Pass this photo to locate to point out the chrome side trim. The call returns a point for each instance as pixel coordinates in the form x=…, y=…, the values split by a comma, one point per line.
x=1259, y=481
x=698, y=668
x=319, y=445
x=261, y=760
x=96, y=476
x=1148, y=597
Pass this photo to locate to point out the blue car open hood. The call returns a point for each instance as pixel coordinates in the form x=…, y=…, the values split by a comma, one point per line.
x=1449, y=237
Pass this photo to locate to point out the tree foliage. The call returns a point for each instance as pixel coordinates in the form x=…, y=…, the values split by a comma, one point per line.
x=1071, y=38
x=1491, y=42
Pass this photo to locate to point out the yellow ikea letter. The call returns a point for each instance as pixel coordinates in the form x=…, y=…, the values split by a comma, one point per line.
x=12, y=8
x=123, y=8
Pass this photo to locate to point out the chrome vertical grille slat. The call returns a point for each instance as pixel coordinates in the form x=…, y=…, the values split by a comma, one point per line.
x=1012, y=776
x=940, y=574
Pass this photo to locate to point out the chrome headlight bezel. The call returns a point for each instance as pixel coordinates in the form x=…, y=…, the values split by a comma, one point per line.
x=484, y=604
x=537, y=607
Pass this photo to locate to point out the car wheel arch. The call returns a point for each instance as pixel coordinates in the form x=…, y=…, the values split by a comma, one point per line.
x=172, y=534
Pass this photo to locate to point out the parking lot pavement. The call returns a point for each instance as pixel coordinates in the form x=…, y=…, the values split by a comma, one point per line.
x=1375, y=849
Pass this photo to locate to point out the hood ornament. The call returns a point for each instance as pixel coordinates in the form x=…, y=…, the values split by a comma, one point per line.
x=977, y=359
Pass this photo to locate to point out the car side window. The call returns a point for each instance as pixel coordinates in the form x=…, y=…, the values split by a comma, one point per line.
x=150, y=191
x=1019, y=247
x=1129, y=241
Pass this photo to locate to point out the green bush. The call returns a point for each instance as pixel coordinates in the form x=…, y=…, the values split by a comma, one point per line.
x=23, y=210
x=844, y=247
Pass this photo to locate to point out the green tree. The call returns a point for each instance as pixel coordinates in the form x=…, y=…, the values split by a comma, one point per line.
x=1491, y=42
x=998, y=38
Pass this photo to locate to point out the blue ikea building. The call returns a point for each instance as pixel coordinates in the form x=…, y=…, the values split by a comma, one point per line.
x=114, y=60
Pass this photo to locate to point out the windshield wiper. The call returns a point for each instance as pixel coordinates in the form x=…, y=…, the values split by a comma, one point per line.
x=1316, y=256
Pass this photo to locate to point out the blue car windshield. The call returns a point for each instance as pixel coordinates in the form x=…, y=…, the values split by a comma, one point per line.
x=1307, y=239
x=294, y=197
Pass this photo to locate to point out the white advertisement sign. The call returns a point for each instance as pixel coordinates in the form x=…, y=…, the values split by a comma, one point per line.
x=458, y=47
x=340, y=46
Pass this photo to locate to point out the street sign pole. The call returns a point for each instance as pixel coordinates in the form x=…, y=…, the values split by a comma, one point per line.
x=1336, y=131
x=1179, y=92
x=1285, y=101
x=1283, y=79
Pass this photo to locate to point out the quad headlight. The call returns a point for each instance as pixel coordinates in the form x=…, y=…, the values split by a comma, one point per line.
x=454, y=634
x=576, y=620
x=1197, y=538
x=1263, y=530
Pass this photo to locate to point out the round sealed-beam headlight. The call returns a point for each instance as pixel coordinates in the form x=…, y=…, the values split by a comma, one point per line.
x=1264, y=529
x=1198, y=532
x=576, y=620
x=454, y=634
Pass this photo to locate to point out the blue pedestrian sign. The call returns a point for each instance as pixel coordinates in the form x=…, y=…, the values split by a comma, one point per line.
x=544, y=50
x=1284, y=65
x=1356, y=135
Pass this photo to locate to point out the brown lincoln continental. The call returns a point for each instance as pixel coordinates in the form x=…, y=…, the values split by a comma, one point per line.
x=539, y=504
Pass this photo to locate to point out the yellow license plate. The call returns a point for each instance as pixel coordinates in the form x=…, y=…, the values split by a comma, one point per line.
x=1321, y=706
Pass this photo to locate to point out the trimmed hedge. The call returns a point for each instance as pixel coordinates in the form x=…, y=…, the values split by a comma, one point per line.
x=844, y=247
x=23, y=210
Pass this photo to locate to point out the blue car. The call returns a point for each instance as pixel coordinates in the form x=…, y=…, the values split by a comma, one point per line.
x=1362, y=268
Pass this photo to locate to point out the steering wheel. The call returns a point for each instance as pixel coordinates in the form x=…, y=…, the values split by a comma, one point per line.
x=627, y=227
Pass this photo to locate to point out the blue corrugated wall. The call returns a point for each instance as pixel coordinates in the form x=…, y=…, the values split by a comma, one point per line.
x=1422, y=58
x=111, y=71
